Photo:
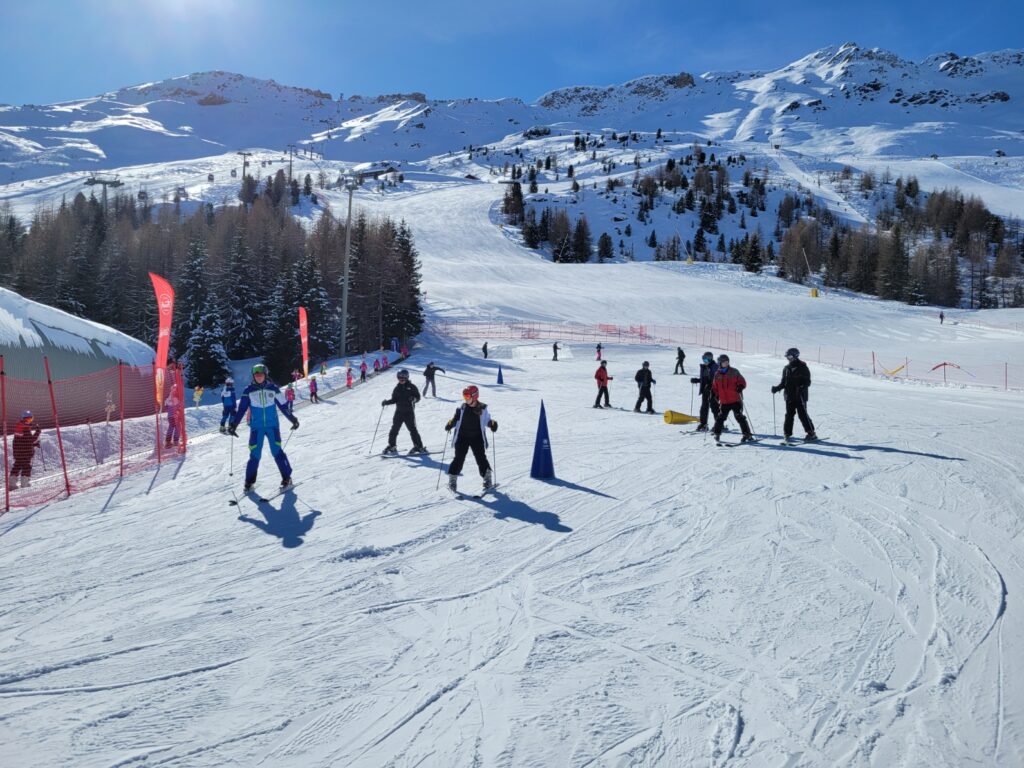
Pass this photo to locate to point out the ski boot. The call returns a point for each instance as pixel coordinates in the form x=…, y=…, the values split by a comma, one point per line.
x=636, y=410
x=453, y=482
x=702, y=428
x=286, y=482
x=390, y=450
x=223, y=429
x=811, y=438
x=748, y=439
x=248, y=487
x=488, y=480
x=596, y=405
x=25, y=481
x=417, y=450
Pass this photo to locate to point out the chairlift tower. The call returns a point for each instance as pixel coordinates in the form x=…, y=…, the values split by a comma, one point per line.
x=105, y=182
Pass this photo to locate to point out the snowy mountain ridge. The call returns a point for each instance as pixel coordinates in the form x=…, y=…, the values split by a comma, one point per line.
x=969, y=105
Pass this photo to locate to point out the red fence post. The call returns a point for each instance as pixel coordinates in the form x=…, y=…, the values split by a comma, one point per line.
x=56, y=424
x=3, y=416
x=120, y=398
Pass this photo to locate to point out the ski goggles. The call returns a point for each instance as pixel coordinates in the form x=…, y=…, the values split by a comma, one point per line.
x=259, y=370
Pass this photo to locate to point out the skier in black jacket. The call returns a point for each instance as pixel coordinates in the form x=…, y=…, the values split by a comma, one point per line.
x=429, y=372
x=404, y=397
x=796, y=378
x=469, y=422
x=680, y=361
x=708, y=401
x=644, y=379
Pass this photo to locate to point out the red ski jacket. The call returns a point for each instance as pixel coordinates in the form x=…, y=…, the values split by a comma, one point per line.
x=728, y=385
x=602, y=377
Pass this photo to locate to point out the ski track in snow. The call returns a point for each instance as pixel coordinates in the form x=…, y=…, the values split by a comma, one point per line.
x=662, y=603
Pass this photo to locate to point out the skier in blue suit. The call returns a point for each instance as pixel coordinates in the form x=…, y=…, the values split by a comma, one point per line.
x=265, y=399
x=229, y=401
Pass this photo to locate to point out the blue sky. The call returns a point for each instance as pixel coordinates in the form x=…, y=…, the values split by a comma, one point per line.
x=52, y=50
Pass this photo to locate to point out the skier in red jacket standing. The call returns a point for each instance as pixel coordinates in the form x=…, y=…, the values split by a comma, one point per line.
x=602, y=384
x=728, y=387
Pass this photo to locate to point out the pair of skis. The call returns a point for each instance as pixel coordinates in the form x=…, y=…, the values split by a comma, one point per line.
x=263, y=499
x=478, y=495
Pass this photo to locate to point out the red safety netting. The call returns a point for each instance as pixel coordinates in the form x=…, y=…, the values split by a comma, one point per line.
x=93, y=428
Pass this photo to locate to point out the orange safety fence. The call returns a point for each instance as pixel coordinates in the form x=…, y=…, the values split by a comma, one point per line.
x=91, y=429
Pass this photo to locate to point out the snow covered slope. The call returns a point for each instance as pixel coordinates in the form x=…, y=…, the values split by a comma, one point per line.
x=662, y=603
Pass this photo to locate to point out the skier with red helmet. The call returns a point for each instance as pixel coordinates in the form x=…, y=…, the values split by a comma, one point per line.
x=470, y=422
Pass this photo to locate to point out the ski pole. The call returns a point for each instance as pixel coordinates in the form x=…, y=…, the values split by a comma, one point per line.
x=441, y=468
x=775, y=423
x=370, y=452
x=494, y=457
x=750, y=421
x=231, y=471
x=691, y=398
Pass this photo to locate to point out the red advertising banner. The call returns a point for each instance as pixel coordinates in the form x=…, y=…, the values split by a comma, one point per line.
x=165, y=305
x=304, y=333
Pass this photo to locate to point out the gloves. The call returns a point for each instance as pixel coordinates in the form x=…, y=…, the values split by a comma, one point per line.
x=448, y=427
x=232, y=430
x=695, y=381
x=383, y=403
x=611, y=378
x=493, y=425
x=295, y=424
x=775, y=390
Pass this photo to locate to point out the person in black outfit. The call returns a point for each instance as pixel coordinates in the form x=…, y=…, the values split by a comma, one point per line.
x=708, y=401
x=429, y=372
x=680, y=357
x=469, y=422
x=404, y=397
x=485, y=350
x=796, y=378
x=644, y=380
x=554, y=348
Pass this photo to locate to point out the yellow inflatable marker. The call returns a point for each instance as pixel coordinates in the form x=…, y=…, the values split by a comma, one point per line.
x=674, y=417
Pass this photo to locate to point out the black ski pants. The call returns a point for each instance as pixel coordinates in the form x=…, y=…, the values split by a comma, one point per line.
x=736, y=409
x=602, y=391
x=429, y=384
x=645, y=394
x=708, y=401
x=479, y=453
x=409, y=419
x=796, y=407
x=680, y=368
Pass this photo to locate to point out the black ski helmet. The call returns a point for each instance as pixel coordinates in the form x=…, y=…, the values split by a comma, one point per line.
x=792, y=352
x=707, y=357
x=604, y=363
x=723, y=358
x=402, y=374
x=646, y=364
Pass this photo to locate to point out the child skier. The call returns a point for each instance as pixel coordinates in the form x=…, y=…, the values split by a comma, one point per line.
x=313, y=389
x=469, y=422
x=644, y=380
x=796, y=378
x=362, y=370
x=602, y=384
x=376, y=365
x=728, y=387
x=228, y=403
x=289, y=397
x=197, y=395
x=26, y=438
x=404, y=397
x=263, y=397
x=172, y=406
x=708, y=400
x=348, y=378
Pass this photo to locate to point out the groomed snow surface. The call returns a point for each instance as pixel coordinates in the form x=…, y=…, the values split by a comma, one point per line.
x=661, y=603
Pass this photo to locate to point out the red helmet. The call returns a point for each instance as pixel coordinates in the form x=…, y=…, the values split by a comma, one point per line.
x=470, y=393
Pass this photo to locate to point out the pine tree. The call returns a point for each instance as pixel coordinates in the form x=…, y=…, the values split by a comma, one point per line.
x=604, y=247
x=206, y=360
x=582, y=242
x=321, y=321
x=753, y=259
x=190, y=297
x=281, y=330
x=408, y=317
x=242, y=305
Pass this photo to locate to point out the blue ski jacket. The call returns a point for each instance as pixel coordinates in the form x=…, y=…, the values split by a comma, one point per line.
x=228, y=398
x=265, y=400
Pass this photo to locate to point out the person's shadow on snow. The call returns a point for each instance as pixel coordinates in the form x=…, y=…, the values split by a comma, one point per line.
x=504, y=508
x=284, y=523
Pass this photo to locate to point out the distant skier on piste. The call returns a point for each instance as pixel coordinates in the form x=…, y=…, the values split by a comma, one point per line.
x=428, y=374
x=264, y=399
x=228, y=402
x=728, y=387
x=404, y=397
x=602, y=384
x=796, y=379
x=314, y=390
x=708, y=400
x=24, y=444
x=554, y=350
x=173, y=406
x=470, y=421
x=644, y=380
x=680, y=364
